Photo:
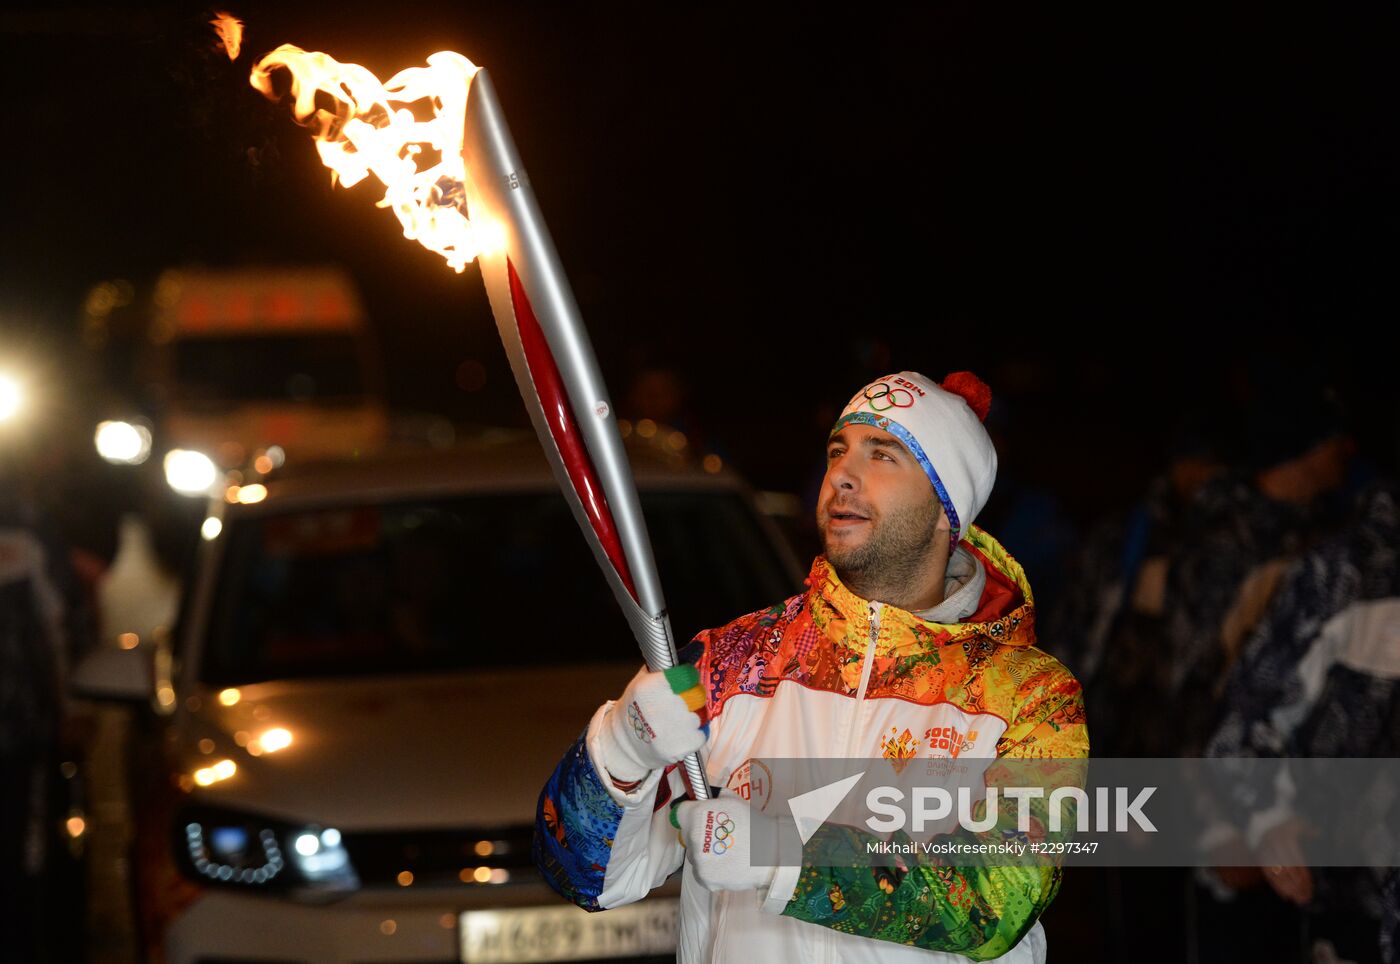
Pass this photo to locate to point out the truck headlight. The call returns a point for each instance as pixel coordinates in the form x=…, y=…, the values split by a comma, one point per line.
x=189, y=472
x=223, y=847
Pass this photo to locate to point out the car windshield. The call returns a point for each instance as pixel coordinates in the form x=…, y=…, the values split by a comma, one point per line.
x=265, y=368
x=474, y=582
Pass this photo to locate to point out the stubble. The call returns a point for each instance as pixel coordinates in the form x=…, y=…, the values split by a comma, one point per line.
x=890, y=563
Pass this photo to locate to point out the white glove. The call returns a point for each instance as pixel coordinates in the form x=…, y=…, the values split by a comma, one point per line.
x=654, y=724
x=719, y=842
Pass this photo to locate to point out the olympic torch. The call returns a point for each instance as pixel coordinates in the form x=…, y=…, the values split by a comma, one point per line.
x=376, y=129
x=558, y=377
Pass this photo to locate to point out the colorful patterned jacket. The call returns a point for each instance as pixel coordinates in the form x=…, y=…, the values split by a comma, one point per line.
x=802, y=678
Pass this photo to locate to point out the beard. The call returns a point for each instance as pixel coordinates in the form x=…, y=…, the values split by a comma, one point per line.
x=895, y=551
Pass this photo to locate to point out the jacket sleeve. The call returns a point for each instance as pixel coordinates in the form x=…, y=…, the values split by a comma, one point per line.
x=979, y=912
x=600, y=847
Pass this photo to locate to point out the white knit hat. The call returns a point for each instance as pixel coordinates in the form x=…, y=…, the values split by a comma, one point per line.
x=942, y=428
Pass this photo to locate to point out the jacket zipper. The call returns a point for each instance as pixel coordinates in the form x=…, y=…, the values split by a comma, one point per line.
x=866, y=664
x=828, y=943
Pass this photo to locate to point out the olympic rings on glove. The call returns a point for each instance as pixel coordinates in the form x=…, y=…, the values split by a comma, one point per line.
x=639, y=723
x=724, y=833
x=886, y=398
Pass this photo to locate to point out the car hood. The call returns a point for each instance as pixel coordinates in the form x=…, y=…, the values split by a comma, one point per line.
x=393, y=753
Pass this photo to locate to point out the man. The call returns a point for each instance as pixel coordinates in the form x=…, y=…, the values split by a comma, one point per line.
x=913, y=639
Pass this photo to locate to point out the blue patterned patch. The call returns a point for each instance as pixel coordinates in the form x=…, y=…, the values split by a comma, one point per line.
x=575, y=825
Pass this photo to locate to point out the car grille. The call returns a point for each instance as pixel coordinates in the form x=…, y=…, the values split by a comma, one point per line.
x=475, y=856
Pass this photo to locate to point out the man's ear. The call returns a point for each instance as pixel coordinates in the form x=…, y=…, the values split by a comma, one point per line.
x=943, y=534
x=943, y=525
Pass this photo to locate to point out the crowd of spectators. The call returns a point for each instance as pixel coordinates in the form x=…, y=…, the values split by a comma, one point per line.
x=1248, y=605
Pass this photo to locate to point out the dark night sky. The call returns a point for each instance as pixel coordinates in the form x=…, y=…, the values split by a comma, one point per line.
x=1103, y=212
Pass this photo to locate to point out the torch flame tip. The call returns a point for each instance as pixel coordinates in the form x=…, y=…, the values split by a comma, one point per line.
x=230, y=31
x=373, y=129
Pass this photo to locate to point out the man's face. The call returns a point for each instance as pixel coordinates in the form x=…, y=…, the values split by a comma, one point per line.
x=877, y=511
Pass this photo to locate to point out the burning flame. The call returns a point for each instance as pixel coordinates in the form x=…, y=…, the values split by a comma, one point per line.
x=230, y=31
x=372, y=128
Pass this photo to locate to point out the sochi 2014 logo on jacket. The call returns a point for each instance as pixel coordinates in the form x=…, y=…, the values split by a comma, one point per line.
x=943, y=743
x=949, y=741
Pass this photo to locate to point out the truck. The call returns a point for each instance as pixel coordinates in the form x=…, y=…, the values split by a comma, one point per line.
x=213, y=371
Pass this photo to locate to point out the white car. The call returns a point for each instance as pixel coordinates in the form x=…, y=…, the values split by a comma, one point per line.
x=376, y=668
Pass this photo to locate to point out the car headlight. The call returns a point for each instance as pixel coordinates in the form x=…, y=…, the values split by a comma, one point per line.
x=190, y=472
x=242, y=850
x=122, y=443
x=11, y=397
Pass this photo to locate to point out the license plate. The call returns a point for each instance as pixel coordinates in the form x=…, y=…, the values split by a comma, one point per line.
x=567, y=933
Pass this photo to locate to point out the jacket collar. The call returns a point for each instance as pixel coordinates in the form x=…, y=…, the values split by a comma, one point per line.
x=1005, y=613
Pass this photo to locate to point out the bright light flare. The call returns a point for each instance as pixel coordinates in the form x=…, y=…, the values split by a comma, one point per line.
x=308, y=844
x=251, y=494
x=230, y=31
x=122, y=443
x=208, y=776
x=375, y=128
x=211, y=528
x=189, y=472
x=277, y=738
x=11, y=397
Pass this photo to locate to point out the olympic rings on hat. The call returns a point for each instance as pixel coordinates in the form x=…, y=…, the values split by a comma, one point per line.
x=881, y=398
x=724, y=833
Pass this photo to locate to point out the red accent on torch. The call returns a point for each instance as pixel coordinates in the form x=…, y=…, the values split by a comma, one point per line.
x=545, y=374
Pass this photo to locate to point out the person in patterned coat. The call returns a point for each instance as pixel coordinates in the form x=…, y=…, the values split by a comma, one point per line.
x=914, y=639
x=1321, y=678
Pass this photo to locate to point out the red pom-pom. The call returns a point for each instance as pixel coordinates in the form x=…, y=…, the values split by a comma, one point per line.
x=973, y=390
